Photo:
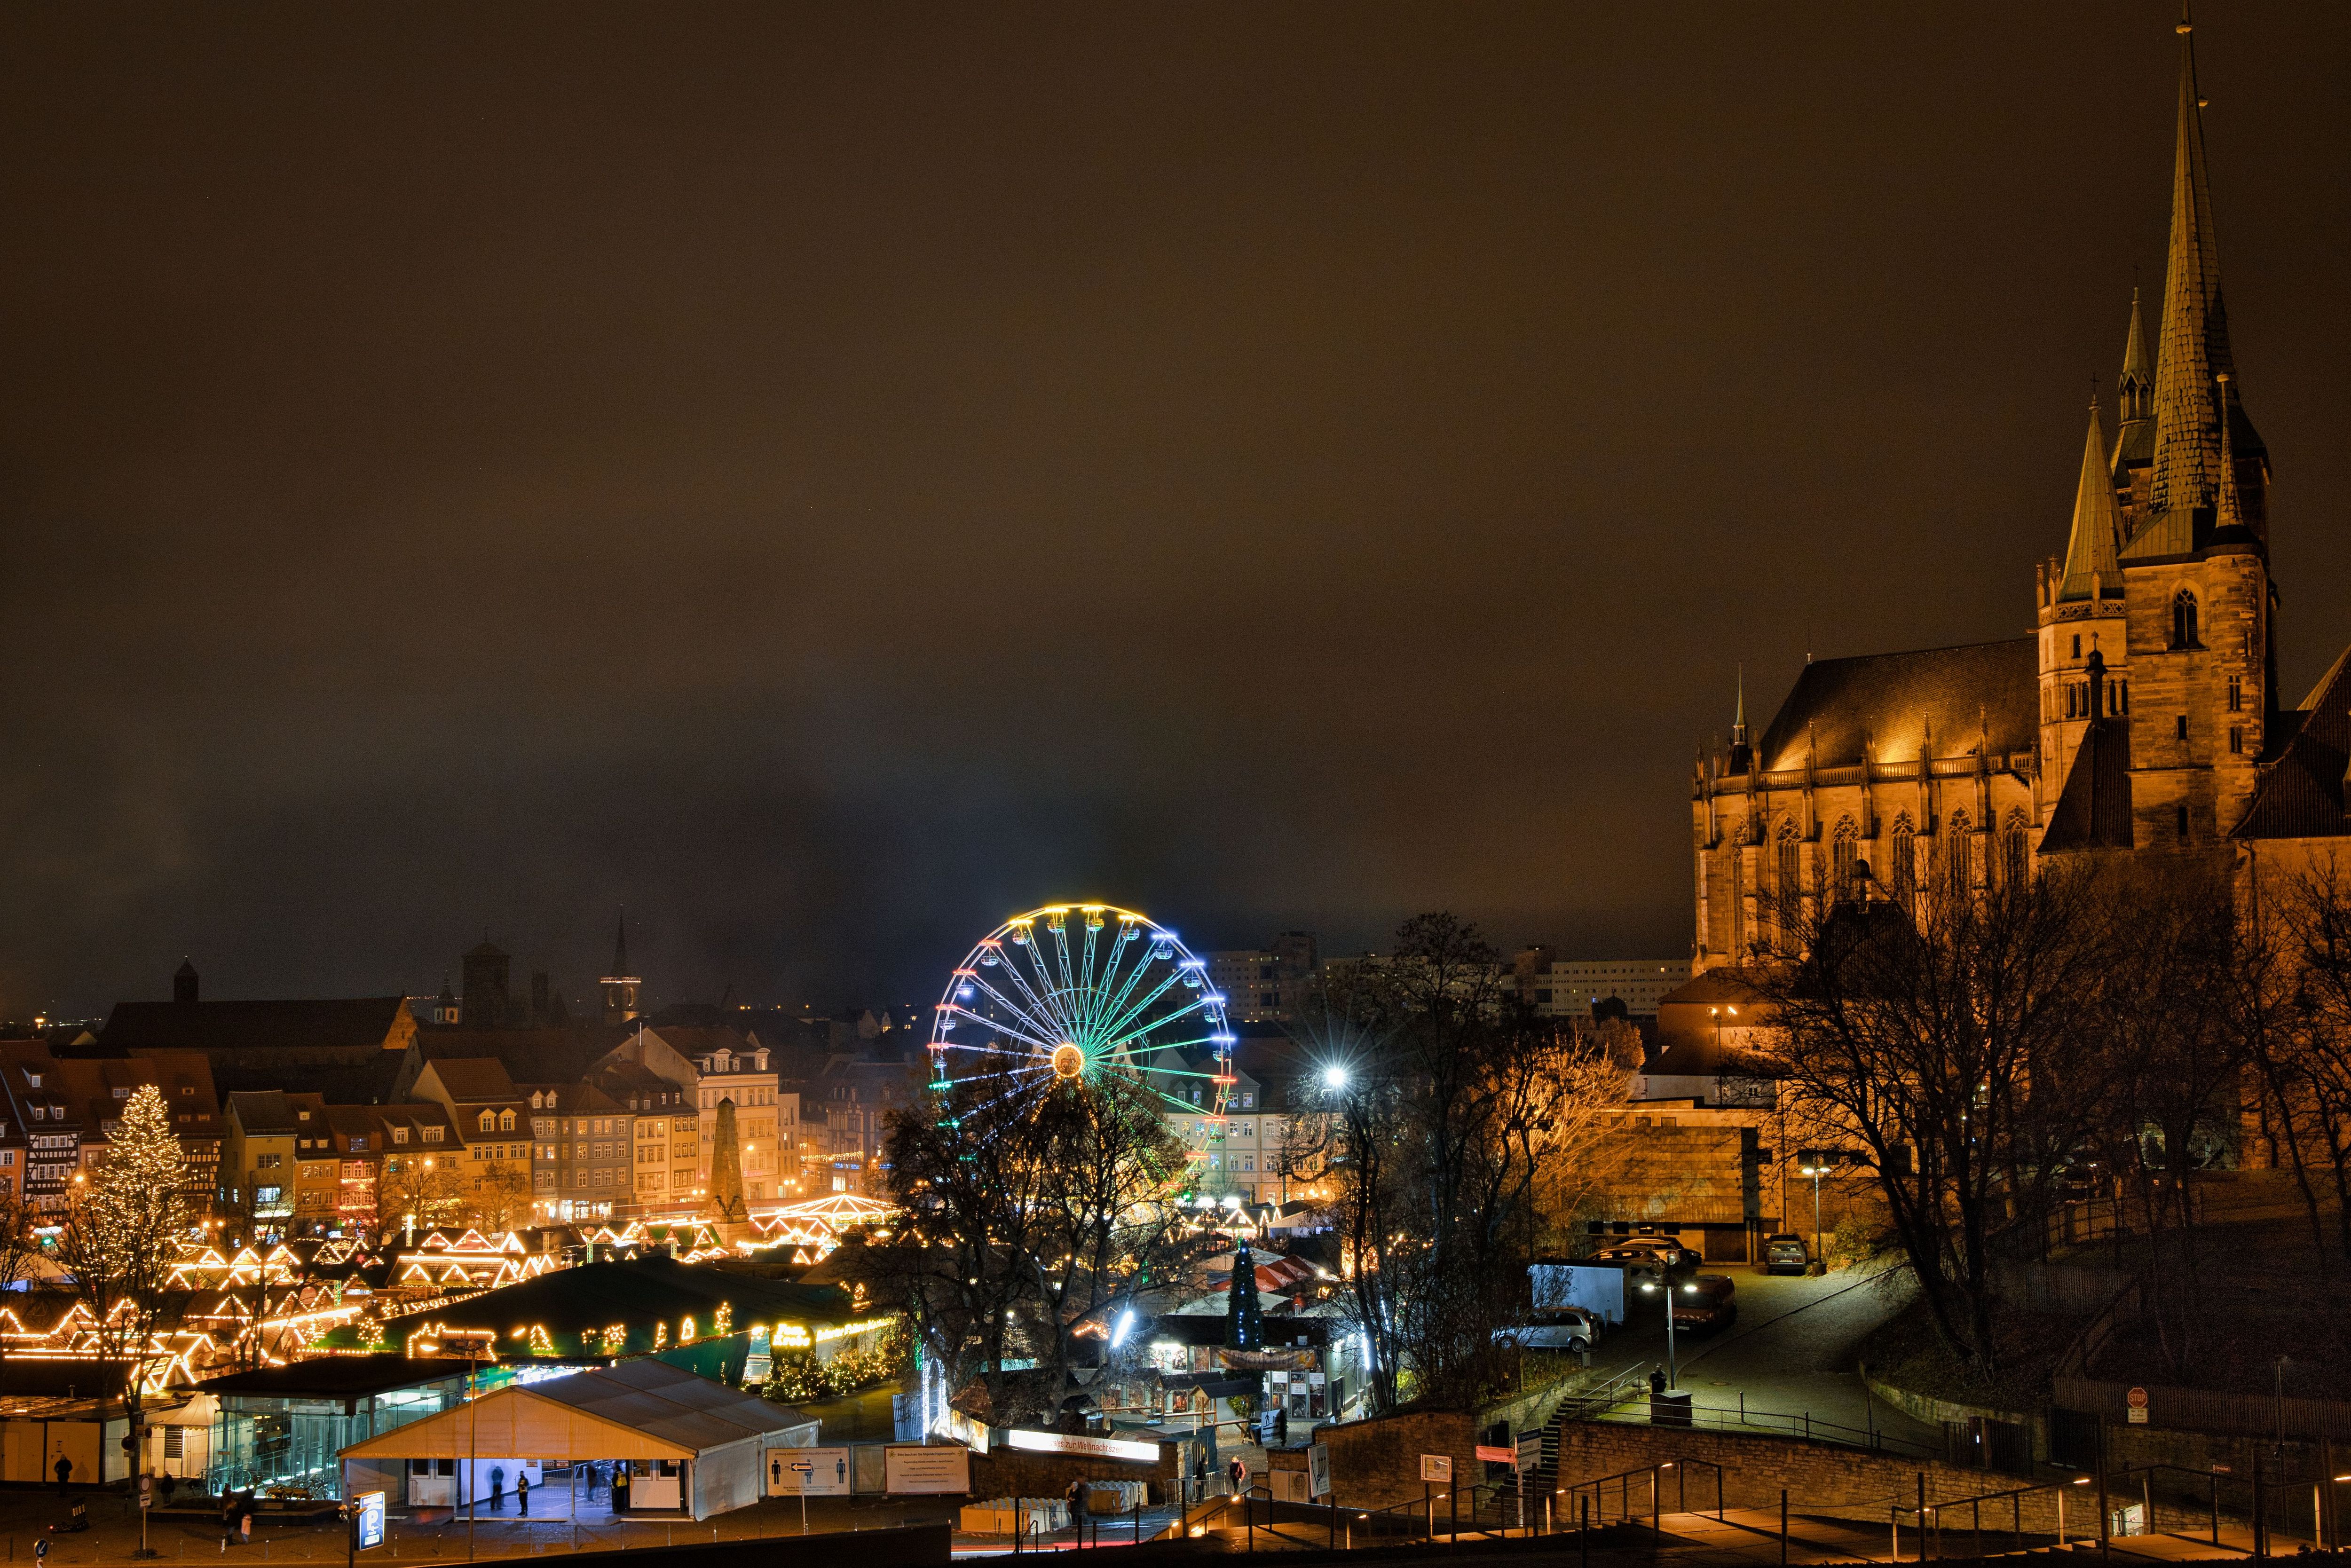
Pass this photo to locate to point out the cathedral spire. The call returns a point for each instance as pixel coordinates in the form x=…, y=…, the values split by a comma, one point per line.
x=2090, y=566
x=2135, y=393
x=1742, y=755
x=621, y=945
x=2227, y=513
x=2193, y=341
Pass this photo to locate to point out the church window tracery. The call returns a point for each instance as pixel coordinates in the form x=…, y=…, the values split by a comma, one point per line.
x=1957, y=858
x=2183, y=620
x=1905, y=868
x=1789, y=891
x=1844, y=849
x=2012, y=858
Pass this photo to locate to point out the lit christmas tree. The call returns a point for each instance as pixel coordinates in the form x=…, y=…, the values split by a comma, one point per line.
x=122, y=1237
x=1244, y=1329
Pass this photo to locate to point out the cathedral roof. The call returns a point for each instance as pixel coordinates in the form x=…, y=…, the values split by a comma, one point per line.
x=2093, y=812
x=2090, y=562
x=2301, y=794
x=1892, y=703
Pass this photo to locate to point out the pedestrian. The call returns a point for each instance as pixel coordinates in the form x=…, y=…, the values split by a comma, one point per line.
x=522, y=1494
x=245, y=1525
x=620, y=1486
x=1077, y=1496
x=1656, y=1381
x=1200, y=1476
x=64, y=1468
x=497, y=1488
x=1237, y=1471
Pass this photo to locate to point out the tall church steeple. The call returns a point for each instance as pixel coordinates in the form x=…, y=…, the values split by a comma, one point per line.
x=2092, y=569
x=621, y=986
x=2193, y=348
x=1742, y=755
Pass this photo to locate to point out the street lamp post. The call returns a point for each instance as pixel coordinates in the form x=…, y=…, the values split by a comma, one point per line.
x=1816, y=1164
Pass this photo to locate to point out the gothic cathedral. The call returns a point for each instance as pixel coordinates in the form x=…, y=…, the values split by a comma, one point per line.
x=2140, y=716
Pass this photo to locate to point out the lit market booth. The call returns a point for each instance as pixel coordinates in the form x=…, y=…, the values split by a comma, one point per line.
x=693, y=1448
x=702, y=1317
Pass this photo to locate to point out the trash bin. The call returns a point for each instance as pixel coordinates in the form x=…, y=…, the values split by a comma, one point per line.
x=1670, y=1409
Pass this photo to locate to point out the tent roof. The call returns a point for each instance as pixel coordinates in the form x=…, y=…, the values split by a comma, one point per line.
x=637, y=1410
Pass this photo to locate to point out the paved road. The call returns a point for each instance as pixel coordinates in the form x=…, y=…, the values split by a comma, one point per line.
x=1795, y=1351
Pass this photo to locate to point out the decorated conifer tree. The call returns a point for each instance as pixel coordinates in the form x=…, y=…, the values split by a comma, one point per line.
x=120, y=1240
x=1244, y=1330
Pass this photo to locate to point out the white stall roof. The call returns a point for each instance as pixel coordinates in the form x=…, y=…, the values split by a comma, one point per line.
x=637, y=1410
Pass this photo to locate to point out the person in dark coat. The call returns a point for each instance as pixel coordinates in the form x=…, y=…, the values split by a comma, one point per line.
x=522, y=1494
x=64, y=1469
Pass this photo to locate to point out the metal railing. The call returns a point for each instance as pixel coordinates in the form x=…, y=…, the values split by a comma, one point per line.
x=1628, y=1408
x=1927, y=1525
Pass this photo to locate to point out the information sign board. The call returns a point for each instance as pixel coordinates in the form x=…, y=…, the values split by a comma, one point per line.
x=371, y=1522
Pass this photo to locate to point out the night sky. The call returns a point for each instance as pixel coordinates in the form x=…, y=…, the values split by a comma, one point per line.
x=828, y=478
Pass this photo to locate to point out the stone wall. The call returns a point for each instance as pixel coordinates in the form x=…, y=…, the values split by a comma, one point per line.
x=1010, y=1472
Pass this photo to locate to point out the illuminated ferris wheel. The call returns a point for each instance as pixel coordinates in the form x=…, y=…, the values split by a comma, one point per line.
x=1083, y=993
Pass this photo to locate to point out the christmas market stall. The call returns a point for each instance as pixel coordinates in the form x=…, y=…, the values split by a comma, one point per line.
x=692, y=1447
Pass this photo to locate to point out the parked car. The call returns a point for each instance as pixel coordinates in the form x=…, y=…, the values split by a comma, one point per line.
x=1557, y=1328
x=1705, y=1302
x=1647, y=1255
x=1786, y=1254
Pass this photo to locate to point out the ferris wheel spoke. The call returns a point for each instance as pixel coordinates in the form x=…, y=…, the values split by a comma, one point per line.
x=1040, y=1029
x=1069, y=989
x=1043, y=994
x=1109, y=1005
x=1134, y=1011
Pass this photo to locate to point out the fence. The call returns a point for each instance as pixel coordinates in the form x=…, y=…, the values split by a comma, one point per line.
x=2211, y=1410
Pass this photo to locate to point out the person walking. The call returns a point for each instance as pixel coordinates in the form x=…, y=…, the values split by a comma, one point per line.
x=497, y=1488
x=1237, y=1473
x=64, y=1468
x=522, y=1494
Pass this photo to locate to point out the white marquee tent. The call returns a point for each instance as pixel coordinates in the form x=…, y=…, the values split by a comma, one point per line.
x=693, y=1446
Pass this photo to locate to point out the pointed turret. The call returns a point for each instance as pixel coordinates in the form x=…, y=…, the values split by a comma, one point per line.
x=1742, y=755
x=2190, y=404
x=621, y=945
x=2134, y=401
x=2227, y=516
x=2092, y=565
x=622, y=986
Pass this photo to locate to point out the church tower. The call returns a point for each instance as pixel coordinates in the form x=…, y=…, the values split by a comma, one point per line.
x=2195, y=557
x=2083, y=623
x=620, y=986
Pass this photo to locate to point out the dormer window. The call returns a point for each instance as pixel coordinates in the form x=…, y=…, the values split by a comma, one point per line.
x=299, y=1116
x=399, y=1134
x=432, y=1135
x=506, y=1120
x=488, y=1122
x=40, y=1113
x=32, y=1080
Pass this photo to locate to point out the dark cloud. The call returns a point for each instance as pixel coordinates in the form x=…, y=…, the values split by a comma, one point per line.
x=827, y=476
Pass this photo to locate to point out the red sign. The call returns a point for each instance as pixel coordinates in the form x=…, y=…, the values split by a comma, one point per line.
x=1498, y=1455
x=2136, y=1399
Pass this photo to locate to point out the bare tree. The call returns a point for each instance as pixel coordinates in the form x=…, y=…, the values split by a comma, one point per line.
x=1948, y=1046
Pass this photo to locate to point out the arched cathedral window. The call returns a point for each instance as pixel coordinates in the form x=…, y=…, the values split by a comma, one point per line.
x=1844, y=849
x=2012, y=856
x=1959, y=868
x=1905, y=868
x=1789, y=879
x=2183, y=620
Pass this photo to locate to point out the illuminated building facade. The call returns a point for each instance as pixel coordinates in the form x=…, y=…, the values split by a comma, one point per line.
x=2142, y=715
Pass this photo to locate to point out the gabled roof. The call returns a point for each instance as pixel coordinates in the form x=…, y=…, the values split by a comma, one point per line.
x=1895, y=701
x=262, y=1113
x=637, y=1410
x=474, y=1079
x=2093, y=810
x=2301, y=796
x=358, y=1023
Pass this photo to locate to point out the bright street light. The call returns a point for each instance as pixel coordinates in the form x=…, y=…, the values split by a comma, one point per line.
x=1334, y=1076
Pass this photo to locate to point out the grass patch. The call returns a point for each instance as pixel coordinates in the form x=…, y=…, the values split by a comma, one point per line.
x=1908, y=1354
